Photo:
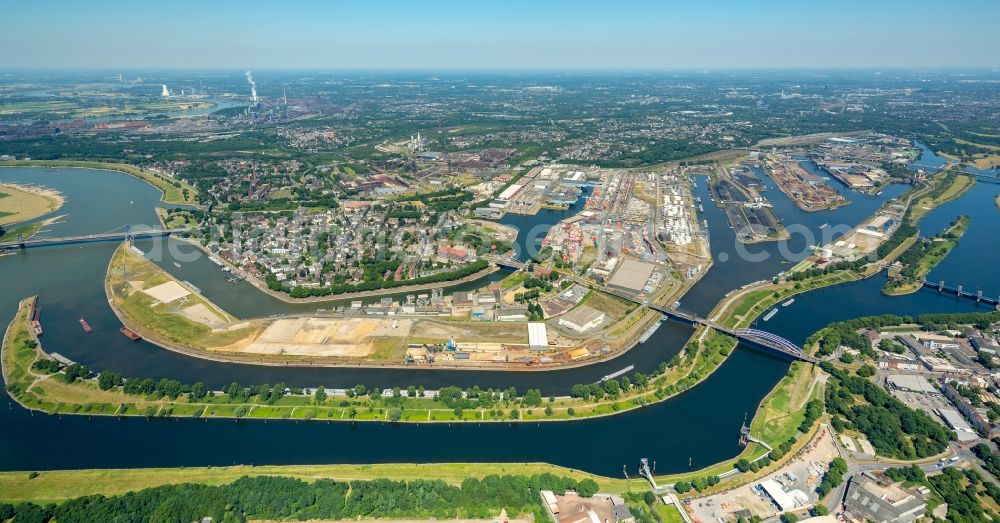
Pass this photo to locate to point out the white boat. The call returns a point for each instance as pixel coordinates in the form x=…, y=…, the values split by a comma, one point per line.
x=177, y=265
x=215, y=260
x=789, y=302
x=823, y=226
x=770, y=314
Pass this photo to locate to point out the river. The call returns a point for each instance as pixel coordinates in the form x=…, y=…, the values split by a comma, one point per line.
x=701, y=424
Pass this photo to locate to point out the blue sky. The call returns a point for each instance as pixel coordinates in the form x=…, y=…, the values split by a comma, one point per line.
x=510, y=34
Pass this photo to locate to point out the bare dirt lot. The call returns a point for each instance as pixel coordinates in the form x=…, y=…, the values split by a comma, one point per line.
x=351, y=337
x=167, y=292
x=372, y=338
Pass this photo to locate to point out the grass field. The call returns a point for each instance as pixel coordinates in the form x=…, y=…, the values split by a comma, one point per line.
x=55, y=486
x=27, y=230
x=924, y=205
x=615, y=307
x=174, y=191
x=176, y=220
x=18, y=204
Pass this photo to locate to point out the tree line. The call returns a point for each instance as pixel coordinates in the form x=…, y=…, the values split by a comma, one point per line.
x=281, y=498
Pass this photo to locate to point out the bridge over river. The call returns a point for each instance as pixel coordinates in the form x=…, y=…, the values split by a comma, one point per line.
x=121, y=234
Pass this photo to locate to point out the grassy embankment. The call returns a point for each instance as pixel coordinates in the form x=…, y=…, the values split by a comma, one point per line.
x=27, y=230
x=174, y=191
x=60, y=485
x=782, y=411
x=959, y=186
x=926, y=255
x=19, y=205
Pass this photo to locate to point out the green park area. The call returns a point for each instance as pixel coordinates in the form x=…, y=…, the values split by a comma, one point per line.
x=922, y=256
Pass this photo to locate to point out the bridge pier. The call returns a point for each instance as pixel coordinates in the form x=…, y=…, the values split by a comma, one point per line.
x=958, y=292
x=940, y=286
x=20, y=241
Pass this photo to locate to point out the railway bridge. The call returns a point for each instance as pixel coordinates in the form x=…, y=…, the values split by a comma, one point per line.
x=753, y=337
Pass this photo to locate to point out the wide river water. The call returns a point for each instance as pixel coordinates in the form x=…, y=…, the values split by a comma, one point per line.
x=701, y=425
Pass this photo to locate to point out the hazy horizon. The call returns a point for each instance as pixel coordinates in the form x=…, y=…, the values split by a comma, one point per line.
x=516, y=35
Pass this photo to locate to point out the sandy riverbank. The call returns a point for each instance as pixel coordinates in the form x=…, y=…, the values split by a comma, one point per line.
x=19, y=202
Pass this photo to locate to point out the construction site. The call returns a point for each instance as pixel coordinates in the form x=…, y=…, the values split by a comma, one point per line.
x=174, y=315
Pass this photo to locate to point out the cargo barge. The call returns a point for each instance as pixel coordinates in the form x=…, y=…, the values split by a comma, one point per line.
x=85, y=325
x=130, y=334
x=770, y=314
x=36, y=325
x=614, y=375
x=649, y=333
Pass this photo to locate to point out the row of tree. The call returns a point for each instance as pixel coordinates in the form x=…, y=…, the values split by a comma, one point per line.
x=280, y=498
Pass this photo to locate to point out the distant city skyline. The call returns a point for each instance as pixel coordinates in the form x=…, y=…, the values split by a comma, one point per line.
x=513, y=34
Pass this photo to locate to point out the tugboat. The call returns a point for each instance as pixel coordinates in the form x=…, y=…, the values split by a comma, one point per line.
x=86, y=326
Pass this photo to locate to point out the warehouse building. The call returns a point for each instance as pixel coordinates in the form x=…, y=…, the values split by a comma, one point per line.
x=631, y=276
x=782, y=499
x=582, y=318
x=867, y=500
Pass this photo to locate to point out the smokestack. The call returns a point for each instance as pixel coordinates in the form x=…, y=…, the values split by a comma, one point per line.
x=253, y=88
x=166, y=92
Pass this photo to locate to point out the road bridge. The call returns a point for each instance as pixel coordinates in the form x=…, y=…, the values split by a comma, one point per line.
x=126, y=233
x=506, y=262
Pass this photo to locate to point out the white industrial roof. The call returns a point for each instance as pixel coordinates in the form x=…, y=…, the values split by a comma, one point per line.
x=778, y=494
x=537, y=337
